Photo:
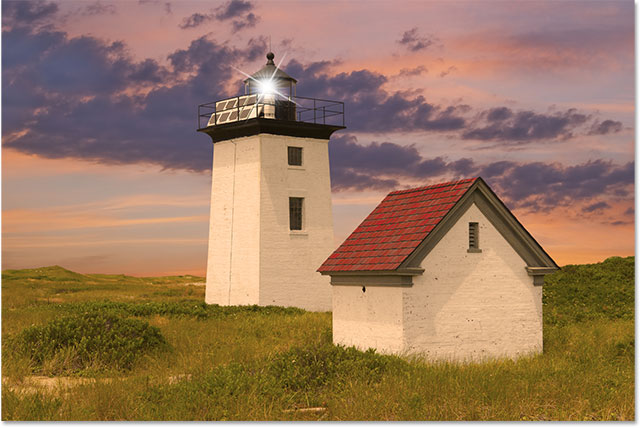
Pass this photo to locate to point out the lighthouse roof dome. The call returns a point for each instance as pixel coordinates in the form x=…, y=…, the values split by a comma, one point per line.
x=270, y=71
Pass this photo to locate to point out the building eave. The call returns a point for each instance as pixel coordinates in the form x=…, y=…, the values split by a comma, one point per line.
x=399, y=277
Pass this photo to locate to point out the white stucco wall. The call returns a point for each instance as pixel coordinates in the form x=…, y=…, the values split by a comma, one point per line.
x=262, y=261
x=466, y=306
x=473, y=305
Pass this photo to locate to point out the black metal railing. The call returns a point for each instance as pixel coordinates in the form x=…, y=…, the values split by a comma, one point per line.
x=245, y=107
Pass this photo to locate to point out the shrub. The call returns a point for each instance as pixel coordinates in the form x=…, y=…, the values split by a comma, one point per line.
x=92, y=340
x=187, y=307
x=318, y=365
x=594, y=291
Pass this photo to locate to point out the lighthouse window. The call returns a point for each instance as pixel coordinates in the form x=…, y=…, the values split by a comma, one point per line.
x=295, y=156
x=295, y=213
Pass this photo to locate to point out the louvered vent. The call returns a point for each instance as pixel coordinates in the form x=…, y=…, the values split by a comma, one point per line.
x=473, y=236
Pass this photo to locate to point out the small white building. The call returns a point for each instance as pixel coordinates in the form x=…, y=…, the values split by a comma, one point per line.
x=271, y=220
x=445, y=271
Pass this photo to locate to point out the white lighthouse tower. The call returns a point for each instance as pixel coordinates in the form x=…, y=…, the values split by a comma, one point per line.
x=271, y=223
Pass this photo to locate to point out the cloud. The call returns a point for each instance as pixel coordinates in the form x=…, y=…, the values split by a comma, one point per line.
x=342, y=179
x=415, y=42
x=59, y=67
x=248, y=21
x=502, y=124
x=597, y=206
x=98, y=8
x=195, y=20
x=540, y=186
x=166, y=4
x=237, y=11
x=498, y=114
x=83, y=97
x=620, y=223
x=20, y=12
x=605, y=127
x=233, y=9
x=416, y=71
x=79, y=97
x=371, y=107
x=356, y=166
x=448, y=71
x=533, y=186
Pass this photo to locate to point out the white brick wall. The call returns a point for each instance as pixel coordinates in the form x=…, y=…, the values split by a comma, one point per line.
x=270, y=265
x=473, y=305
x=466, y=306
x=369, y=319
x=289, y=259
x=234, y=202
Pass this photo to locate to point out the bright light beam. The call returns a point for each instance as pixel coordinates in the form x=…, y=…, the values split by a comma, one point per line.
x=267, y=87
x=278, y=66
x=271, y=86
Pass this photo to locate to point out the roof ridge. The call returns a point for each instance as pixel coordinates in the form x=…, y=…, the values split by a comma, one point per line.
x=433, y=186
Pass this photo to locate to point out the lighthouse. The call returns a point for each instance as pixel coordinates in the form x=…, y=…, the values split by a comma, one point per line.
x=271, y=222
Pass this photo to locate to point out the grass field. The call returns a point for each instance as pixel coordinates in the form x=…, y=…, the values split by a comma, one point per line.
x=63, y=357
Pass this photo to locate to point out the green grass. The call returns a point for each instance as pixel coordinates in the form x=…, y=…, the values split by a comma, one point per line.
x=263, y=363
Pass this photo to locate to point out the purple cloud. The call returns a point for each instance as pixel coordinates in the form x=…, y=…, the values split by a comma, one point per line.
x=195, y=20
x=535, y=186
x=233, y=9
x=598, y=206
x=506, y=125
x=414, y=41
x=167, y=5
x=370, y=106
x=238, y=11
x=68, y=97
x=448, y=71
x=605, y=127
x=76, y=97
x=416, y=71
x=20, y=12
x=98, y=8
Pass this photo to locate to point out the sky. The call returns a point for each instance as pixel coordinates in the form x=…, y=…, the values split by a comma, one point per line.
x=103, y=170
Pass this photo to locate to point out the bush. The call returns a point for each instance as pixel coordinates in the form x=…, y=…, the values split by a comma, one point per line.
x=594, y=291
x=187, y=307
x=318, y=365
x=88, y=341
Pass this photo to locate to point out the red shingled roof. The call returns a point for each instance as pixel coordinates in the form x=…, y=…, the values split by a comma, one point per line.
x=395, y=228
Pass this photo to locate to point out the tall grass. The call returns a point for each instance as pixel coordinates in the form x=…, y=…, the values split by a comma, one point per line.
x=252, y=363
